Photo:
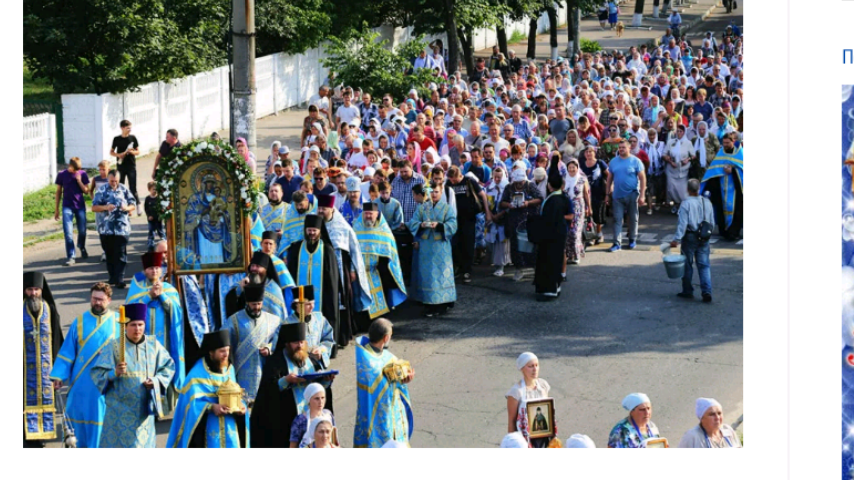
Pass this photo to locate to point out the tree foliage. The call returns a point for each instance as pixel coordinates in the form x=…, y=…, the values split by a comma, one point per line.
x=371, y=65
x=100, y=46
x=290, y=26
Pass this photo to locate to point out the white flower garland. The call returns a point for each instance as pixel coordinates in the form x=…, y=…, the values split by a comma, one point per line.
x=167, y=171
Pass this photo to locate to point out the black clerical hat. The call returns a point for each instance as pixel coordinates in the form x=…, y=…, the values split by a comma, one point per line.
x=313, y=221
x=307, y=291
x=262, y=260
x=136, y=312
x=254, y=292
x=33, y=279
x=215, y=340
x=370, y=207
x=292, y=332
x=269, y=236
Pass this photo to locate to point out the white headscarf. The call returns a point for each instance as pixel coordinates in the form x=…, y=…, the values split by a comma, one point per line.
x=570, y=181
x=518, y=175
x=700, y=144
x=514, y=440
x=311, y=390
x=524, y=359
x=704, y=404
x=312, y=427
x=579, y=441
x=632, y=400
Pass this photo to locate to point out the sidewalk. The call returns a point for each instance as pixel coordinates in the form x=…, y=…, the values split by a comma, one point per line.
x=692, y=14
x=286, y=126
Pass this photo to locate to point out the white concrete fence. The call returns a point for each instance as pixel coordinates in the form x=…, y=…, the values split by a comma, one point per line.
x=198, y=105
x=39, y=151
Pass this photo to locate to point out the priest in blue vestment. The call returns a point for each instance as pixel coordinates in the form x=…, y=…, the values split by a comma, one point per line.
x=90, y=333
x=252, y=332
x=269, y=240
x=165, y=315
x=382, y=264
x=724, y=182
x=292, y=228
x=281, y=396
x=432, y=226
x=260, y=272
x=200, y=421
x=312, y=262
x=273, y=213
x=353, y=288
x=384, y=410
x=42, y=342
x=133, y=385
x=319, y=335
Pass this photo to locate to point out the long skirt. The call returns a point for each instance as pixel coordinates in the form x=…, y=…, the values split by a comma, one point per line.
x=480, y=223
x=677, y=188
x=575, y=238
x=612, y=18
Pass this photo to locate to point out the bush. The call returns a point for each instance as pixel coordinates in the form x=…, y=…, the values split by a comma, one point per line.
x=517, y=37
x=373, y=66
x=590, y=46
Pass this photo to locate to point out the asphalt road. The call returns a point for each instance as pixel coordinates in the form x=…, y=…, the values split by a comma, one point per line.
x=617, y=328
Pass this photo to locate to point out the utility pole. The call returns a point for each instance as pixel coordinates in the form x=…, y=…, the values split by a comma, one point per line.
x=243, y=85
x=637, y=19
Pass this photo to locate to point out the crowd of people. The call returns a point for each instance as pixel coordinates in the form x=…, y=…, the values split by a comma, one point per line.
x=520, y=165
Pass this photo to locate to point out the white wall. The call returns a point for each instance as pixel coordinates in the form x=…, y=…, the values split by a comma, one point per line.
x=39, y=151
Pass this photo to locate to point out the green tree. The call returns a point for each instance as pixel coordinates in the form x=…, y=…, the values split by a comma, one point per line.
x=291, y=26
x=99, y=46
x=369, y=64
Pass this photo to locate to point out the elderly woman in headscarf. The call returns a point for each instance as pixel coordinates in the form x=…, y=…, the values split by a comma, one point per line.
x=243, y=150
x=656, y=175
x=677, y=155
x=542, y=133
x=495, y=235
x=321, y=432
x=272, y=159
x=315, y=401
x=576, y=187
x=572, y=146
x=521, y=199
x=711, y=432
x=530, y=387
x=579, y=440
x=634, y=430
x=539, y=179
x=706, y=146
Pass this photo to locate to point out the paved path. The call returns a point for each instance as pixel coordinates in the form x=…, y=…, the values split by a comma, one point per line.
x=617, y=328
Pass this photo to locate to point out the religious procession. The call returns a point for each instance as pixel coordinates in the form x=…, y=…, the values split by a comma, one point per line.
x=262, y=274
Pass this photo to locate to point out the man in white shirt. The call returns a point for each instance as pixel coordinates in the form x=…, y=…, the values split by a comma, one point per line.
x=495, y=140
x=321, y=101
x=347, y=112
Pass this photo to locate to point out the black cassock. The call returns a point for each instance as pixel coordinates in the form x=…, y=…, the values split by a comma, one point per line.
x=331, y=284
x=713, y=186
x=549, y=232
x=275, y=411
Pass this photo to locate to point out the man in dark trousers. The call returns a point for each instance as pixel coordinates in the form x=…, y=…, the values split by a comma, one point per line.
x=125, y=148
x=281, y=393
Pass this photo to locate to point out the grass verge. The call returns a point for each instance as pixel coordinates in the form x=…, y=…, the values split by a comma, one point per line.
x=517, y=37
x=36, y=88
